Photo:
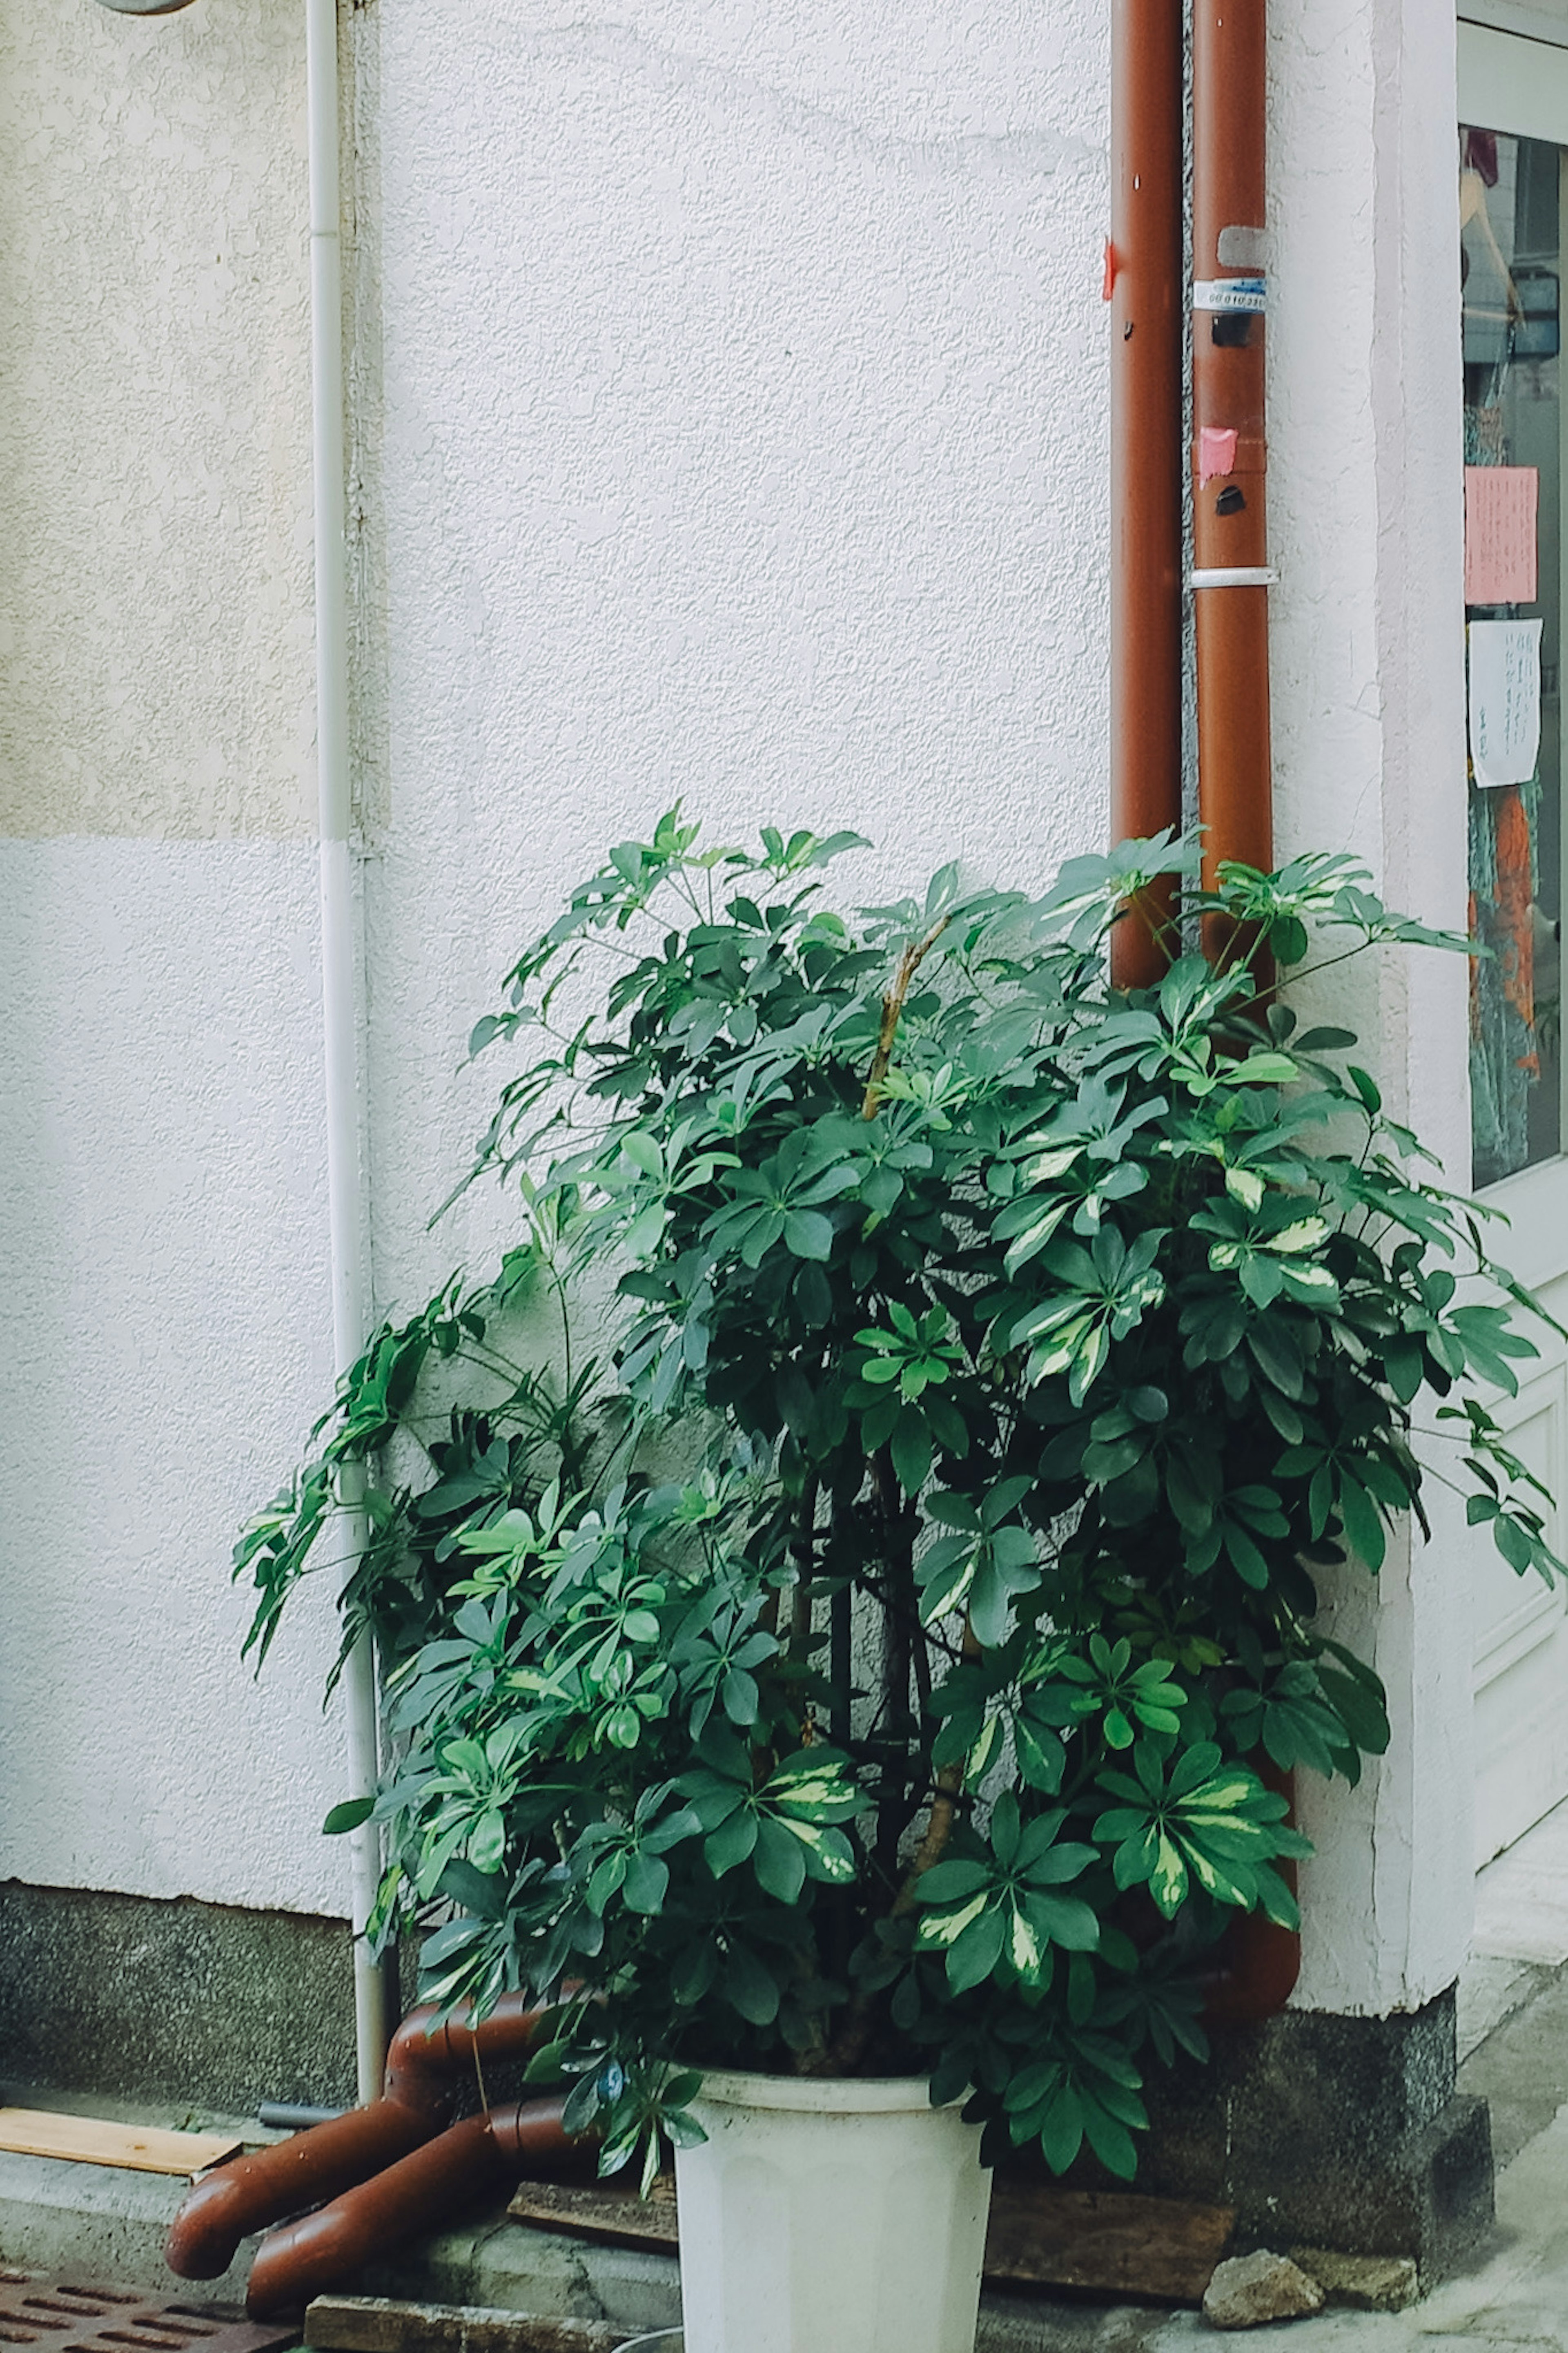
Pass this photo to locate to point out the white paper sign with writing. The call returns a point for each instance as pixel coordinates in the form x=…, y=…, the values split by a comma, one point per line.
x=1505, y=700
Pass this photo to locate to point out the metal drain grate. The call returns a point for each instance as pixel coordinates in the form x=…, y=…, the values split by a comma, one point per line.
x=56, y=2317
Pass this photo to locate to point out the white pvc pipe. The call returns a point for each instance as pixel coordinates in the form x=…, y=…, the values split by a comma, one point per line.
x=340, y=986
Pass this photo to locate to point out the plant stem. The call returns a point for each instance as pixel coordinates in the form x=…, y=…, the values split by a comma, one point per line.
x=805, y=1550
x=909, y=964
x=922, y=1665
x=839, y=1669
x=848, y=2044
x=943, y=1813
x=899, y=1528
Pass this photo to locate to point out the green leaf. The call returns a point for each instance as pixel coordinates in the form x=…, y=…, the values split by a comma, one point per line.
x=1362, y=1524
x=911, y=1450
x=1042, y=1759
x=808, y=1234
x=949, y=1882
x=646, y=1885
x=748, y=1987
x=348, y=1816
x=1061, y=2132
x=816, y=1784
x=731, y=1842
x=976, y=1951
x=779, y=1862
x=1265, y=1069
x=828, y=1853
x=1110, y=2141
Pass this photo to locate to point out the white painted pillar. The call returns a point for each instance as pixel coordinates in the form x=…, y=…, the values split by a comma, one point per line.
x=1368, y=667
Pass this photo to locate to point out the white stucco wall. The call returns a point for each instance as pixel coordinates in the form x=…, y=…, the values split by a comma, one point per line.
x=163, y=1213
x=162, y=1182
x=740, y=437
x=739, y=432
x=729, y=392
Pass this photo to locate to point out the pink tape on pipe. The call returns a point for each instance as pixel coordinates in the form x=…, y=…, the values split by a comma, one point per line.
x=1216, y=452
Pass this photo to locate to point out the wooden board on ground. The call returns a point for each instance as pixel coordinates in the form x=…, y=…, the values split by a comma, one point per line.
x=616, y=2217
x=385, y=2324
x=95, y=2140
x=1109, y=2242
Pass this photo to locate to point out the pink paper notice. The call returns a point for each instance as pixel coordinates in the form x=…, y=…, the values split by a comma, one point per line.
x=1500, y=534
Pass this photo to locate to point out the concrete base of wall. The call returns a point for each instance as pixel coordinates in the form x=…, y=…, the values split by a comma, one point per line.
x=200, y=2003
x=1330, y=2131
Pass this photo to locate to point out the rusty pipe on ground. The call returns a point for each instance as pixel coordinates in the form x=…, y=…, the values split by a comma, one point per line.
x=1143, y=287
x=422, y=2190
x=249, y=2192
x=416, y=2101
x=1230, y=523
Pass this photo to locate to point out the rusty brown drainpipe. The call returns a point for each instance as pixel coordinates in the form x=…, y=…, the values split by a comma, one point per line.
x=1257, y=1962
x=1230, y=582
x=423, y=2070
x=1230, y=523
x=1143, y=286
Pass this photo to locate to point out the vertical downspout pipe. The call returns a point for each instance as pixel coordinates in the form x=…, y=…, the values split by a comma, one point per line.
x=340, y=963
x=1230, y=526
x=1144, y=285
x=1230, y=583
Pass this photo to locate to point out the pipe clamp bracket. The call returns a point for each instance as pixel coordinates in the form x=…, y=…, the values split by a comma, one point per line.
x=1234, y=575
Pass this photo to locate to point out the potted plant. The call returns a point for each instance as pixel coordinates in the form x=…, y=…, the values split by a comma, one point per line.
x=839, y=1579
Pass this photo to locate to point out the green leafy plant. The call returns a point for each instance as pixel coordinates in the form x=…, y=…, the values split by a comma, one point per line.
x=869, y=1653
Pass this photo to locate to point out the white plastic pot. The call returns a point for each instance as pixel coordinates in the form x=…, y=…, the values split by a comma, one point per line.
x=829, y=2216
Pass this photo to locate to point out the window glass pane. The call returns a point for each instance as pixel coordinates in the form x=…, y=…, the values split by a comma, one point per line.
x=1510, y=210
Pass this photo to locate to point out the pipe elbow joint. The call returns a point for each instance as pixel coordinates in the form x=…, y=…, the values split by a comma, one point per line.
x=367, y=2147
x=425, y=2054
x=204, y=2235
x=249, y=2192
x=291, y=2263
x=531, y=2133
x=322, y=2250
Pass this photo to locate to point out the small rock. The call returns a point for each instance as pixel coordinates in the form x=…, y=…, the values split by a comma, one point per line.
x=1361, y=2283
x=1251, y=2289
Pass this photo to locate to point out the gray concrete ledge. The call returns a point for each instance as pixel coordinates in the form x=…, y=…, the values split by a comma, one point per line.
x=99, y=2225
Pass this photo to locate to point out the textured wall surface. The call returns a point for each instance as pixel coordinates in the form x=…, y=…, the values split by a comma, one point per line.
x=162, y=1221
x=154, y=405
x=163, y=1225
x=177, y=2002
x=741, y=436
